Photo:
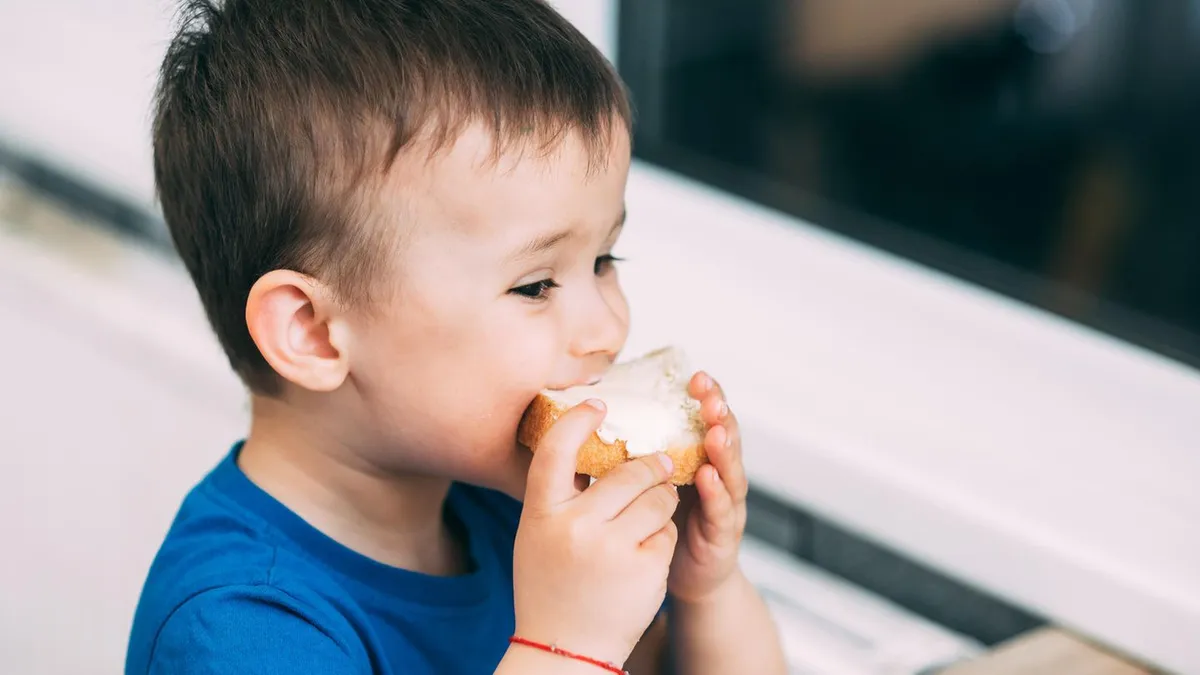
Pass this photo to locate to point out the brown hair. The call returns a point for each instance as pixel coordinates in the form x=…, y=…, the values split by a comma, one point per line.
x=275, y=120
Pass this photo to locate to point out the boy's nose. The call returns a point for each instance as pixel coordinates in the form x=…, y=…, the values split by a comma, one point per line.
x=602, y=328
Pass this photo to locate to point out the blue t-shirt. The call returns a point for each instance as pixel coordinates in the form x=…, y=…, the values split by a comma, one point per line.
x=241, y=584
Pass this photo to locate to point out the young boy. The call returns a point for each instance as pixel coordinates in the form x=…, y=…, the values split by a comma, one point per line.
x=400, y=218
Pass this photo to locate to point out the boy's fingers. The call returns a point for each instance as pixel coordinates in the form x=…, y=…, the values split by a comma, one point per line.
x=715, y=500
x=552, y=471
x=714, y=410
x=662, y=542
x=716, y=504
x=701, y=384
x=724, y=450
x=621, y=485
x=649, y=513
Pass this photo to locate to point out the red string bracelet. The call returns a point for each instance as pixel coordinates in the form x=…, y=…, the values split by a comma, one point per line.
x=554, y=649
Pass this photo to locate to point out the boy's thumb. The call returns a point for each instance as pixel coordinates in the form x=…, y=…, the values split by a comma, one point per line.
x=552, y=471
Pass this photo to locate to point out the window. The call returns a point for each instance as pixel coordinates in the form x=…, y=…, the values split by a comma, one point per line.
x=1045, y=149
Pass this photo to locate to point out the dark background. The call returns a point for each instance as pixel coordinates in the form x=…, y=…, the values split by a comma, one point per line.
x=1048, y=150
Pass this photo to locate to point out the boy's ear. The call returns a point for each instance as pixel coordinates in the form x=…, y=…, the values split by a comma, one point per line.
x=297, y=327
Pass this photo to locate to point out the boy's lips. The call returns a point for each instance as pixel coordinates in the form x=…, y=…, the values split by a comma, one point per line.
x=585, y=383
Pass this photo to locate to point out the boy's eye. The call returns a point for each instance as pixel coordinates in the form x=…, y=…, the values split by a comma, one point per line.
x=605, y=262
x=538, y=290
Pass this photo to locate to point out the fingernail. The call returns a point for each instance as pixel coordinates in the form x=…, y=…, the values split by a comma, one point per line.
x=596, y=403
x=723, y=410
x=706, y=382
x=666, y=462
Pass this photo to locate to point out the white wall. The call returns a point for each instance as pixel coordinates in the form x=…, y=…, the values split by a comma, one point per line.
x=104, y=429
x=1035, y=458
x=76, y=78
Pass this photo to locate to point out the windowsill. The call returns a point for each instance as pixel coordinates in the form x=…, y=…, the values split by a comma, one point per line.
x=1042, y=461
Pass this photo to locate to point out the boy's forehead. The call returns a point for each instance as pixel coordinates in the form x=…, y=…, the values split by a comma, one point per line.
x=468, y=185
x=478, y=154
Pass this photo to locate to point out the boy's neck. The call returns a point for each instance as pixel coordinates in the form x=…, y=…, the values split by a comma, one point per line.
x=397, y=520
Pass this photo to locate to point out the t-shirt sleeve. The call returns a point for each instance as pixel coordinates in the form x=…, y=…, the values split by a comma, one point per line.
x=255, y=630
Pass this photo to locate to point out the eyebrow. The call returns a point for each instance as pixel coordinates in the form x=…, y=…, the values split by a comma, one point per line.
x=548, y=241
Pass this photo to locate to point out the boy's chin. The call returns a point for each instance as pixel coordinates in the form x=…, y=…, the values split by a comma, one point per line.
x=506, y=474
x=513, y=476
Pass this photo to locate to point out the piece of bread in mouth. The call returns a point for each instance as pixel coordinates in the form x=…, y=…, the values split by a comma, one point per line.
x=649, y=411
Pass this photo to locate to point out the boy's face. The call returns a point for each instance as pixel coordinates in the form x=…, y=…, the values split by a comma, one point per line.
x=501, y=287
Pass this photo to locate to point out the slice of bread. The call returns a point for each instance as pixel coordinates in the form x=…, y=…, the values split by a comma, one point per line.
x=649, y=411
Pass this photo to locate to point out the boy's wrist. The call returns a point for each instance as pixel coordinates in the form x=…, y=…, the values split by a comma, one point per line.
x=735, y=586
x=524, y=660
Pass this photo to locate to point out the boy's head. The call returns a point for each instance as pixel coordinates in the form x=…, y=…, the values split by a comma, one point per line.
x=400, y=208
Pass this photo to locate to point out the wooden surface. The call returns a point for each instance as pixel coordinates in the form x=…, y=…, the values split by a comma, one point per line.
x=1047, y=651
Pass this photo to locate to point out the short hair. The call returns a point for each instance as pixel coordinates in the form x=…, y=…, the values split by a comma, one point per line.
x=276, y=121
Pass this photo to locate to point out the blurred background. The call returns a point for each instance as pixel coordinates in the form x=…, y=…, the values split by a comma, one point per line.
x=1044, y=148
x=955, y=243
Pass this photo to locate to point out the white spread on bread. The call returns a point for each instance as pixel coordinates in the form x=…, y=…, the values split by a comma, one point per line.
x=647, y=401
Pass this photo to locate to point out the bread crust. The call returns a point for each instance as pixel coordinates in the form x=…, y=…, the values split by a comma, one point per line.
x=597, y=457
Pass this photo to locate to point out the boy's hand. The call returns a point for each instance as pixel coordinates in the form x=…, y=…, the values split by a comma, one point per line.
x=711, y=530
x=590, y=568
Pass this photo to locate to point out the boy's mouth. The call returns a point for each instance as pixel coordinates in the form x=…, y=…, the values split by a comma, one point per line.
x=588, y=383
